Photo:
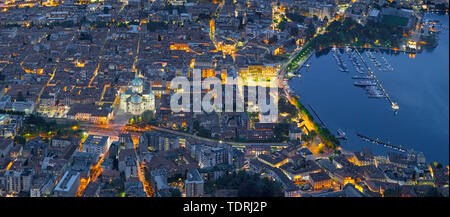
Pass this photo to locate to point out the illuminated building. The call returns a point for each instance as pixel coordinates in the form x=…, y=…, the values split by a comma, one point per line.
x=90, y=113
x=298, y=169
x=7, y=104
x=349, y=190
x=127, y=158
x=12, y=180
x=258, y=135
x=255, y=150
x=96, y=144
x=344, y=176
x=306, y=153
x=131, y=169
x=210, y=157
x=258, y=167
x=320, y=180
x=135, y=188
x=42, y=186
x=361, y=159
x=194, y=184
x=294, y=133
x=180, y=46
x=127, y=140
x=92, y=190
x=88, y=165
x=6, y=144
x=80, y=2
x=137, y=98
x=259, y=71
x=159, y=88
x=274, y=160
x=278, y=51
x=158, y=141
x=206, y=73
x=413, y=44
x=68, y=185
x=177, y=2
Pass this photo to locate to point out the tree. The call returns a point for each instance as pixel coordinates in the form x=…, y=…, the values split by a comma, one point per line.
x=308, y=137
x=203, y=132
x=295, y=17
x=281, y=131
x=248, y=185
x=305, y=138
x=147, y=116
x=196, y=126
x=175, y=192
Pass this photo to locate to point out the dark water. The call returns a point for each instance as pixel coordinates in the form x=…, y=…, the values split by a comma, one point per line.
x=419, y=85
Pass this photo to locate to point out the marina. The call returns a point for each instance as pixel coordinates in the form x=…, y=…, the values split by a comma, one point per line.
x=366, y=79
x=356, y=64
x=364, y=83
x=374, y=92
x=388, y=65
x=362, y=77
x=393, y=104
x=384, y=66
x=419, y=86
x=338, y=57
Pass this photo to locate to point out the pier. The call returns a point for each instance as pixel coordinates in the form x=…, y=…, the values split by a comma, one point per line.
x=323, y=124
x=385, y=144
x=393, y=104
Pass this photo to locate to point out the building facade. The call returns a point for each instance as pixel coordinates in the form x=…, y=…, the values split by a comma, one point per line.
x=194, y=184
x=137, y=98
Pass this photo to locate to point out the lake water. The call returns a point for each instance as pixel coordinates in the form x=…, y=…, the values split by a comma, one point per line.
x=420, y=86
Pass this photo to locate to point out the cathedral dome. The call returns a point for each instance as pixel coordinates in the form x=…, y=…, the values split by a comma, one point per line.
x=136, y=99
x=137, y=81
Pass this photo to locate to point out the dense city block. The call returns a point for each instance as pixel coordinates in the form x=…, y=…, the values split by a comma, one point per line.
x=87, y=87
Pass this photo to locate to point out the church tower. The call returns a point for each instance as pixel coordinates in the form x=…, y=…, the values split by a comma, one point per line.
x=137, y=84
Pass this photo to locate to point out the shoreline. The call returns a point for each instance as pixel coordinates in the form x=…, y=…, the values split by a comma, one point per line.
x=310, y=124
x=292, y=93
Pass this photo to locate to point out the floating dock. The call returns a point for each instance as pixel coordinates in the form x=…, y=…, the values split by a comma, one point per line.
x=385, y=144
x=393, y=104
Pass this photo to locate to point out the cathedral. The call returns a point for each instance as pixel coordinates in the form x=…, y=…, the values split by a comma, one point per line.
x=137, y=98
